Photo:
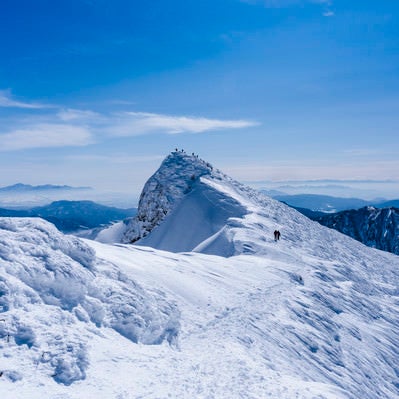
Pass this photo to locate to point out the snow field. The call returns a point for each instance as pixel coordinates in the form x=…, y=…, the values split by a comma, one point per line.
x=275, y=319
x=293, y=322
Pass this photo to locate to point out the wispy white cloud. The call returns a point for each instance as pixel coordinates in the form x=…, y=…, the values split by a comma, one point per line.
x=75, y=127
x=71, y=114
x=129, y=124
x=115, y=158
x=44, y=136
x=6, y=100
x=285, y=3
x=290, y=3
x=138, y=123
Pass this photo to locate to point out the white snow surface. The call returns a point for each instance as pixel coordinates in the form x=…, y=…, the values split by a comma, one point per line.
x=112, y=234
x=56, y=296
x=314, y=315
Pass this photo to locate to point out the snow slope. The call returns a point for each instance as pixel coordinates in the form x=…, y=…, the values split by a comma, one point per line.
x=55, y=297
x=314, y=315
x=287, y=325
x=201, y=214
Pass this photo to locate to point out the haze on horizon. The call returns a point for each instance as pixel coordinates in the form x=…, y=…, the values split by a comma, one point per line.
x=94, y=94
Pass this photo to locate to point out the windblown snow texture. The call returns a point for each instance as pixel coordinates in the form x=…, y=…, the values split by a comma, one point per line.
x=55, y=295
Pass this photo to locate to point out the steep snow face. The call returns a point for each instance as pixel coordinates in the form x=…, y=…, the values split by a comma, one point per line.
x=377, y=228
x=201, y=213
x=55, y=296
x=163, y=190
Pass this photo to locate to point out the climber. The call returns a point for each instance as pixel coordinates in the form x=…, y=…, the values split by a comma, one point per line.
x=277, y=235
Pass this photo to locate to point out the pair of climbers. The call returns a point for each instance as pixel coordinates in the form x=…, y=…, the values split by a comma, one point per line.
x=277, y=235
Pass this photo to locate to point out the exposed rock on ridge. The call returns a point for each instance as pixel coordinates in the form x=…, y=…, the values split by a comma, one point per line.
x=174, y=178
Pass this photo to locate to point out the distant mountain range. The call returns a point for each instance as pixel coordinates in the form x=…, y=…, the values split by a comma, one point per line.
x=20, y=187
x=25, y=196
x=322, y=203
x=388, y=204
x=71, y=216
x=326, y=203
x=376, y=228
x=374, y=223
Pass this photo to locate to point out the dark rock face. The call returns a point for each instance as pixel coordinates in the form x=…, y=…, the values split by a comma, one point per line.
x=166, y=187
x=376, y=228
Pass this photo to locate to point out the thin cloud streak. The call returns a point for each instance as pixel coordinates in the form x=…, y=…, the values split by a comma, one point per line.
x=45, y=136
x=291, y=3
x=116, y=158
x=71, y=114
x=8, y=102
x=74, y=127
x=285, y=3
x=138, y=123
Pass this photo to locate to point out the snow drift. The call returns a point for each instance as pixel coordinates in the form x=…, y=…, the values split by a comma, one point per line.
x=55, y=294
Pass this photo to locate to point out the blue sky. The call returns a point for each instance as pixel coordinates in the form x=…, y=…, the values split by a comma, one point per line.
x=96, y=93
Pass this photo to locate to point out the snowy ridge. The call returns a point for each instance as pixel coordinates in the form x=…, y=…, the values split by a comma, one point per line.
x=188, y=206
x=55, y=296
x=316, y=319
x=166, y=187
x=346, y=292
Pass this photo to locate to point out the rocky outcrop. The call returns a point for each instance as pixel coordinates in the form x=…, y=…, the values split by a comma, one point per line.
x=376, y=228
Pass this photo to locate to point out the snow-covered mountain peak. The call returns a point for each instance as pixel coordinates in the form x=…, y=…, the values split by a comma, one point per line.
x=187, y=205
x=167, y=186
